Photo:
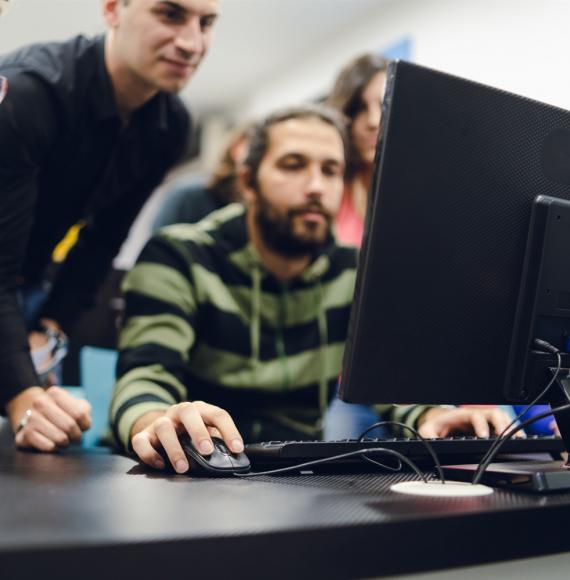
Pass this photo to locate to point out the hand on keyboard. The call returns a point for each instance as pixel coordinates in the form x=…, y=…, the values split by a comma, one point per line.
x=438, y=422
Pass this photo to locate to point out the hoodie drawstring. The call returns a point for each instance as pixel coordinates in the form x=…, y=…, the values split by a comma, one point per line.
x=255, y=339
x=255, y=324
x=323, y=340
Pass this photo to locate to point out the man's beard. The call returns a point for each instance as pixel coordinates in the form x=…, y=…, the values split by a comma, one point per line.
x=278, y=233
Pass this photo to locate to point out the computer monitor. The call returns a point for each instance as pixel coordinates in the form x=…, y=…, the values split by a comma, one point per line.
x=447, y=294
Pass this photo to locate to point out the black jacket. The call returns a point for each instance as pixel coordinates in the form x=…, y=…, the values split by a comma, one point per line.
x=65, y=156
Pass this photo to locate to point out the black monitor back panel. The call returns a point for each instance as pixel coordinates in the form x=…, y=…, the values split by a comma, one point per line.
x=458, y=166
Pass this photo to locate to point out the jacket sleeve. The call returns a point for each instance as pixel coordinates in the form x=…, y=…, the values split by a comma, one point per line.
x=156, y=339
x=28, y=124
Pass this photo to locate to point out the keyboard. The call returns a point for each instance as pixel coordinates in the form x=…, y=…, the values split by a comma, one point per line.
x=450, y=450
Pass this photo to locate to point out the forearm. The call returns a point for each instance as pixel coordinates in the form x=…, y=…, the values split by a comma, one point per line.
x=155, y=341
x=28, y=130
x=16, y=368
x=141, y=391
x=430, y=414
x=127, y=415
x=410, y=415
x=17, y=371
x=24, y=398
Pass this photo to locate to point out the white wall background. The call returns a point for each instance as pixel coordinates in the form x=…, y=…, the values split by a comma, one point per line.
x=518, y=45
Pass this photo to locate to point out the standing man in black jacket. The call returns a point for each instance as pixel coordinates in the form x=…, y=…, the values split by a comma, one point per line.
x=88, y=129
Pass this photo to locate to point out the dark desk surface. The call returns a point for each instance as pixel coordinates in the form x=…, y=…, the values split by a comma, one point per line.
x=97, y=515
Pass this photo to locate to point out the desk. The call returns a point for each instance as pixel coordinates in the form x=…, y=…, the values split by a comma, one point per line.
x=85, y=515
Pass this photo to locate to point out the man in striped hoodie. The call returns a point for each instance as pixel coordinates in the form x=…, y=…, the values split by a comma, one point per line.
x=245, y=313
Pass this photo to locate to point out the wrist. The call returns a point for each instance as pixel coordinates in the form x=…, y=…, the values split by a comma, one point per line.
x=429, y=414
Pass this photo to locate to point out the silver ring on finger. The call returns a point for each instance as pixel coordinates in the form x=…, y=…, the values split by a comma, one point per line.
x=24, y=420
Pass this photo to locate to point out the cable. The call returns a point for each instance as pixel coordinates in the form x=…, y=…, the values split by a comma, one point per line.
x=416, y=433
x=394, y=468
x=373, y=461
x=525, y=410
x=398, y=466
x=545, y=346
x=486, y=462
x=334, y=458
x=548, y=347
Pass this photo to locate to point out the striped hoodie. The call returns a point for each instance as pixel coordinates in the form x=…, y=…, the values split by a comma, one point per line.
x=205, y=320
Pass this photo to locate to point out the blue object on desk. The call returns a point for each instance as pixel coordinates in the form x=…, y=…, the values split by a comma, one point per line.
x=98, y=370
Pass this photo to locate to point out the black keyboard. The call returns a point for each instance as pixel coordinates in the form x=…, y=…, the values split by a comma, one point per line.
x=450, y=450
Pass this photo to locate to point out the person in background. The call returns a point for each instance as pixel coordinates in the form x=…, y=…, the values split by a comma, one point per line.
x=357, y=93
x=189, y=203
x=88, y=129
x=236, y=326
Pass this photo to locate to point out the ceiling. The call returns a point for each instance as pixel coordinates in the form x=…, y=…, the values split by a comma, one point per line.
x=255, y=39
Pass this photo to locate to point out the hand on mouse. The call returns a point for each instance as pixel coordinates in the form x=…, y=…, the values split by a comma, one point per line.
x=161, y=429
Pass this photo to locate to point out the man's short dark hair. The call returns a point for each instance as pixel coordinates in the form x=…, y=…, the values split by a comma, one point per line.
x=259, y=136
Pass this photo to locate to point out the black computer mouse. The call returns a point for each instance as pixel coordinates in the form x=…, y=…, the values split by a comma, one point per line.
x=222, y=462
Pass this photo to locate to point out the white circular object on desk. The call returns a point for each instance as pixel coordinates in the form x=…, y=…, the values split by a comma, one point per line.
x=438, y=489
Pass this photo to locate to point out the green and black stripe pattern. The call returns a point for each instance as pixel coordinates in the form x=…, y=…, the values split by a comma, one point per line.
x=205, y=321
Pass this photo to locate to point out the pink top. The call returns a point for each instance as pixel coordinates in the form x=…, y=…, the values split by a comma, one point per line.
x=349, y=225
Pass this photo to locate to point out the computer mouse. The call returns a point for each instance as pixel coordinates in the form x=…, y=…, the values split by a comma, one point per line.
x=222, y=462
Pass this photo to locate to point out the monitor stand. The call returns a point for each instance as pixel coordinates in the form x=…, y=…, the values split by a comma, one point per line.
x=534, y=476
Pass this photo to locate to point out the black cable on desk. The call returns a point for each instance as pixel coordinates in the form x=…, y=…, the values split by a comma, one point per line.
x=492, y=452
x=487, y=461
x=430, y=449
x=299, y=466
